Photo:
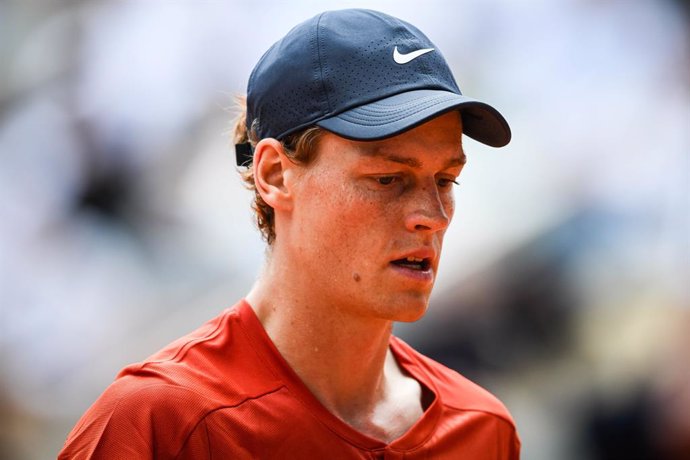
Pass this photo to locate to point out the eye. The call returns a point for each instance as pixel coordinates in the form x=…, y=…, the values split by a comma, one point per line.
x=386, y=180
x=445, y=182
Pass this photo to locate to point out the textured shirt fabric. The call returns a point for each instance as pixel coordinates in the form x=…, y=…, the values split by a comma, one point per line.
x=224, y=391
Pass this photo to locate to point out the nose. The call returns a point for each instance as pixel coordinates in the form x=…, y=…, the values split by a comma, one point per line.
x=429, y=211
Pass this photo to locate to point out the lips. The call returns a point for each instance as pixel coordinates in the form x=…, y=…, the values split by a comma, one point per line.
x=420, y=260
x=413, y=263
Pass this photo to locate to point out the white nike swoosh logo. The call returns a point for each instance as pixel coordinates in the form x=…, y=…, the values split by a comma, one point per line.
x=405, y=58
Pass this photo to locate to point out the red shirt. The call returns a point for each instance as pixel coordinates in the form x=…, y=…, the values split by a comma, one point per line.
x=224, y=391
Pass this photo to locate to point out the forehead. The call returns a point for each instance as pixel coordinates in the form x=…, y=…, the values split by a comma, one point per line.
x=454, y=157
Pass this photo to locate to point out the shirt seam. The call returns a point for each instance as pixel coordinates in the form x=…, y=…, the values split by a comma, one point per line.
x=191, y=343
x=205, y=416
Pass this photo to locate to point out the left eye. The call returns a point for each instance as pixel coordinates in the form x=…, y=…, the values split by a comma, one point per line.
x=446, y=182
x=386, y=180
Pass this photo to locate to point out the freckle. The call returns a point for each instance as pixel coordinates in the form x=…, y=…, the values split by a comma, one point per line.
x=356, y=277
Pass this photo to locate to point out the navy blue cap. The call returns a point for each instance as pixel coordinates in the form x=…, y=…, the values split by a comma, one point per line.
x=363, y=75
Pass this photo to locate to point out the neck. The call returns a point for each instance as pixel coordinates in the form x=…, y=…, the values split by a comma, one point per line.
x=340, y=357
x=340, y=352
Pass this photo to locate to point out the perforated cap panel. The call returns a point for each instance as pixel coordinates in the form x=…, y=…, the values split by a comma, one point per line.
x=354, y=60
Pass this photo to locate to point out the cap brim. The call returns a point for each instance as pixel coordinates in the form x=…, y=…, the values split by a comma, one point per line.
x=396, y=114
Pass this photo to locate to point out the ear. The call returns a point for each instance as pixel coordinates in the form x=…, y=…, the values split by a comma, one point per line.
x=271, y=168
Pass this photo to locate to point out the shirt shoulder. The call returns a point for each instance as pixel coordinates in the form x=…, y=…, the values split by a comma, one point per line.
x=154, y=405
x=134, y=419
x=217, y=362
x=455, y=390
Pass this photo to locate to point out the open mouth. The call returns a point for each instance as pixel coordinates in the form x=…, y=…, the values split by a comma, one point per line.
x=413, y=263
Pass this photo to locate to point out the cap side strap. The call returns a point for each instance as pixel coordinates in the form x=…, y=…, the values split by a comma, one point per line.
x=244, y=154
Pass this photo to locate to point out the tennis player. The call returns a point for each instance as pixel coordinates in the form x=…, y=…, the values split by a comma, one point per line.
x=351, y=143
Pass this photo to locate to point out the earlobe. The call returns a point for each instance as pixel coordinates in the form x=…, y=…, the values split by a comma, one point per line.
x=270, y=167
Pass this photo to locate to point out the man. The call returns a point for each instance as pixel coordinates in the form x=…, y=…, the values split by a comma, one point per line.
x=352, y=142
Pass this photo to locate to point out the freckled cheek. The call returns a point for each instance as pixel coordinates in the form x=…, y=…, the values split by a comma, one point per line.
x=356, y=232
x=356, y=220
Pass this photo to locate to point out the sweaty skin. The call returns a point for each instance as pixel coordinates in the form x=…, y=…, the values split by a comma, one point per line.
x=359, y=237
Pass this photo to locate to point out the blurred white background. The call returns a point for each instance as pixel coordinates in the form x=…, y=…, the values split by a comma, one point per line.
x=564, y=283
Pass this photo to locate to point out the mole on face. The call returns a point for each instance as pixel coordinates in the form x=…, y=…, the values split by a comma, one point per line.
x=356, y=277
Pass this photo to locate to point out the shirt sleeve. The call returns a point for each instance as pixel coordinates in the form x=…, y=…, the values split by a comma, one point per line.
x=150, y=422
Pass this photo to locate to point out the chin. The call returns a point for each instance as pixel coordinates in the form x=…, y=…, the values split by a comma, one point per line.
x=411, y=317
x=411, y=310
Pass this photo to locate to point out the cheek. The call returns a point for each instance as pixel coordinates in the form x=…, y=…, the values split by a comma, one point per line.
x=352, y=225
x=327, y=211
x=353, y=219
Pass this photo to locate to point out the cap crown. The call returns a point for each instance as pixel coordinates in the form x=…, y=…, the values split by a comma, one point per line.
x=336, y=61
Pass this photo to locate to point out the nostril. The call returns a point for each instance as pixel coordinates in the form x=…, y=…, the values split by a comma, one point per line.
x=429, y=213
x=424, y=222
